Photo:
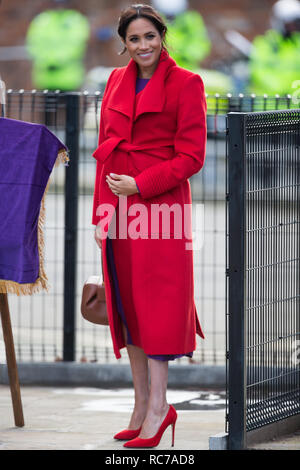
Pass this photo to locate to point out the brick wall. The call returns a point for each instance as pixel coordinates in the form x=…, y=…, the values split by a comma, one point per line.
x=249, y=17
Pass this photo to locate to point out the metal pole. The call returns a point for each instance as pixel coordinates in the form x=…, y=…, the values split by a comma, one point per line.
x=71, y=221
x=236, y=273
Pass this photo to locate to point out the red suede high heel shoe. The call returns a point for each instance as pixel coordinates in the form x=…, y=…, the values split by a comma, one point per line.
x=155, y=440
x=127, y=434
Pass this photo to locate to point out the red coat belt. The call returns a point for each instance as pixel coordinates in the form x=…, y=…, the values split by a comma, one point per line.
x=106, y=148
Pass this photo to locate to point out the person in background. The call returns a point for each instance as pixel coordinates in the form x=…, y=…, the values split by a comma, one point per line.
x=274, y=61
x=189, y=44
x=152, y=139
x=188, y=40
x=56, y=40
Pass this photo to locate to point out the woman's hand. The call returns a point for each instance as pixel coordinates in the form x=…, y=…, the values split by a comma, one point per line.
x=98, y=237
x=121, y=185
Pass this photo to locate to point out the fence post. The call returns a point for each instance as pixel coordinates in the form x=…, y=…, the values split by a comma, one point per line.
x=236, y=272
x=71, y=218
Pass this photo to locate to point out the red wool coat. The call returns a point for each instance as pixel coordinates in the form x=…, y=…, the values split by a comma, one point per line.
x=158, y=137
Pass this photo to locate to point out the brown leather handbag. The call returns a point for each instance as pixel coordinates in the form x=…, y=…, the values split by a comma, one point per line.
x=93, y=302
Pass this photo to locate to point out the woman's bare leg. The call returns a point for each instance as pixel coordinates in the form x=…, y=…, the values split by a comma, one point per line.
x=157, y=404
x=139, y=369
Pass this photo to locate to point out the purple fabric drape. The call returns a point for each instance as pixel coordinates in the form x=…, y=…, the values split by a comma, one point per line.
x=28, y=153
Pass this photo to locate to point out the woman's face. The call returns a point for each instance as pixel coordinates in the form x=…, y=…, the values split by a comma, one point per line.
x=144, y=44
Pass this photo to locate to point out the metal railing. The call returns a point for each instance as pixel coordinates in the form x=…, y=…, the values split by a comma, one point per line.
x=263, y=272
x=48, y=326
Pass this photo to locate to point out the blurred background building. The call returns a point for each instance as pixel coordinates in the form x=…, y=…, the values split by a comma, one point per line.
x=230, y=27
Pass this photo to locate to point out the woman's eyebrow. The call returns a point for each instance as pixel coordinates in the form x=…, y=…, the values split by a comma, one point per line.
x=133, y=35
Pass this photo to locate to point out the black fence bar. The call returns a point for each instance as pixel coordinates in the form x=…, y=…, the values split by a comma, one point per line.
x=71, y=224
x=236, y=275
x=38, y=323
x=263, y=265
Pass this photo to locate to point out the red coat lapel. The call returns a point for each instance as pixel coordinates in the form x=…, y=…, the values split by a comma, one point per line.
x=122, y=95
x=122, y=98
x=152, y=99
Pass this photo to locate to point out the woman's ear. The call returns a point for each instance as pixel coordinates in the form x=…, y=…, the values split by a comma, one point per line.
x=124, y=48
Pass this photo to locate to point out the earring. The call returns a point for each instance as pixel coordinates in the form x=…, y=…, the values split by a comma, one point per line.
x=123, y=51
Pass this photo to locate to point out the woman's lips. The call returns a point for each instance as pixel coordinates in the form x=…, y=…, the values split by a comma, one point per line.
x=144, y=55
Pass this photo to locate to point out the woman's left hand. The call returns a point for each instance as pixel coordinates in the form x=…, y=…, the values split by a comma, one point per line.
x=121, y=185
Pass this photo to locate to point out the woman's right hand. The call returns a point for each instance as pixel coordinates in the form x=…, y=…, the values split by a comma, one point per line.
x=98, y=237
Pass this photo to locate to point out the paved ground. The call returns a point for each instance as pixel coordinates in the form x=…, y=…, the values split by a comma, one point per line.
x=284, y=443
x=87, y=418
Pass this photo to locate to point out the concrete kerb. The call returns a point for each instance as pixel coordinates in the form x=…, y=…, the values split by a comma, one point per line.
x=219, y=441
x=101, y=375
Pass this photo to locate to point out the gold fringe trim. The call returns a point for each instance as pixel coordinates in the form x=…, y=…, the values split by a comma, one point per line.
x=42, y=280
x=62, y=157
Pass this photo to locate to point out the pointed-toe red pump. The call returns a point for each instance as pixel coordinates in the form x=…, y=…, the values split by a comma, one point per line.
x=155, y=440
x=127, y=434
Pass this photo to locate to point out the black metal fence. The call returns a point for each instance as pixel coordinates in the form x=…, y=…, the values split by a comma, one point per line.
x=263, y=272
x=48, y=326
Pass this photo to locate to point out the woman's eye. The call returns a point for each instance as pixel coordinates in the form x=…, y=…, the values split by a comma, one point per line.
x=149, y=36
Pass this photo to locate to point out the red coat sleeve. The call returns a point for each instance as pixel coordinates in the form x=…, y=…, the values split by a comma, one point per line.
x=189, y=143
x=95, y=218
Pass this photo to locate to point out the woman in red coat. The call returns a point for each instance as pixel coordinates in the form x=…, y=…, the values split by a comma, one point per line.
x=152, y=139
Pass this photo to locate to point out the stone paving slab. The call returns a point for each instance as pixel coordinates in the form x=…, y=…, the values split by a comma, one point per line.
x=78, y=418
x=87, y=419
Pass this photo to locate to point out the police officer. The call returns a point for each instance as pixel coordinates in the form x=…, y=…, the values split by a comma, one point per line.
x=187, y=35
x=274, y=62
x=56, y=40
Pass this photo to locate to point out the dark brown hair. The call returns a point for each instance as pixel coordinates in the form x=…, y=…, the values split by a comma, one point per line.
x=141, y=11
